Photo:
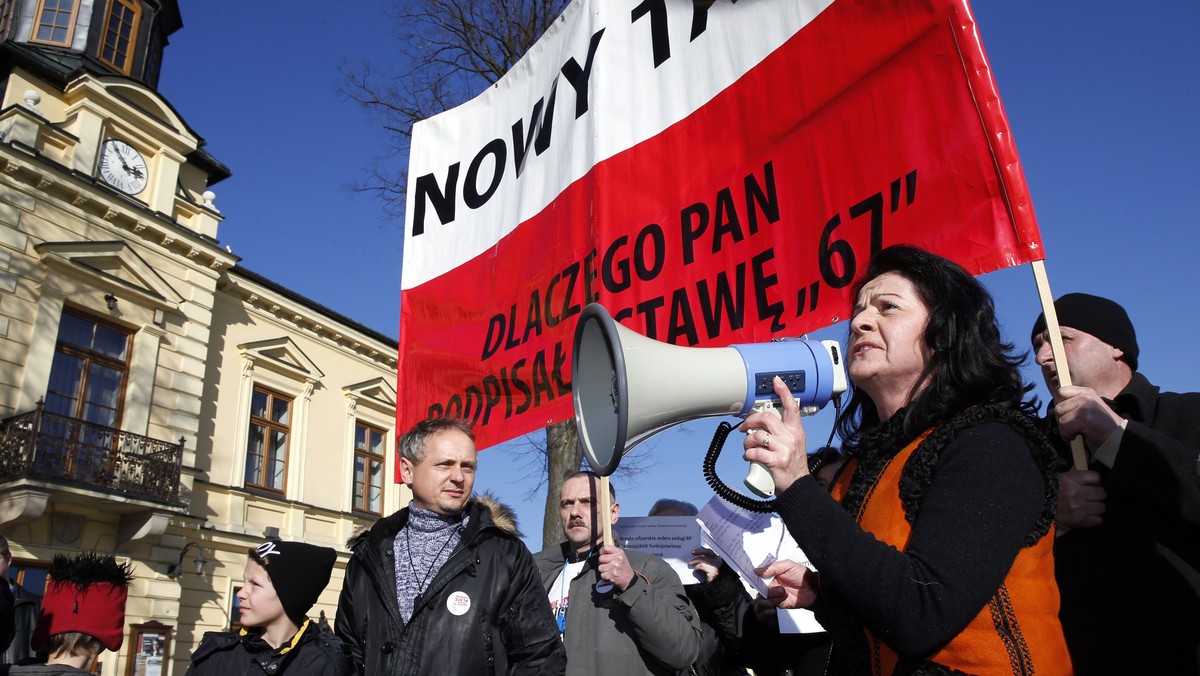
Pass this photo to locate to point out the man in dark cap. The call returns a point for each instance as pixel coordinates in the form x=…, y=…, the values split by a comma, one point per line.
x=1128, y=565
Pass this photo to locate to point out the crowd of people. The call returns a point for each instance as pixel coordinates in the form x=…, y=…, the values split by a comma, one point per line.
x=952, y=532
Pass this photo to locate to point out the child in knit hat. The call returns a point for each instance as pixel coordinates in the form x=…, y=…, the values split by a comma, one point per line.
x=83, y=612
x=282, y=582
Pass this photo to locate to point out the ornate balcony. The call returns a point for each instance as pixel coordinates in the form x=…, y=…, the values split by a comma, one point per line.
x=61, y=450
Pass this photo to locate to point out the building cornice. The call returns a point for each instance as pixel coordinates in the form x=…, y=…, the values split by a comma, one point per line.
x=310, y=318
x=85, y=194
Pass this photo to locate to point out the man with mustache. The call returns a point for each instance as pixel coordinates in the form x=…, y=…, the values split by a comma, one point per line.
x=445, y=585
x=1128, y=567
x=620, y=611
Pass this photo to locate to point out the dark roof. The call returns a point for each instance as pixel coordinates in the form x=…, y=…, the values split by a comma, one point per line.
x=59, y=67
x=314, y=305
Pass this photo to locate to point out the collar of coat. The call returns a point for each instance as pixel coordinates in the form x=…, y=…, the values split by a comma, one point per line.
x=483, y=510
x=1137, y=400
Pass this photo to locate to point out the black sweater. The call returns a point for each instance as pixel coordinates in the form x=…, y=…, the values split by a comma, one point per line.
x=986, y=495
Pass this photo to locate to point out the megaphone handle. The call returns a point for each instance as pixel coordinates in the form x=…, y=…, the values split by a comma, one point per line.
x=758, y=479
x=605, y=511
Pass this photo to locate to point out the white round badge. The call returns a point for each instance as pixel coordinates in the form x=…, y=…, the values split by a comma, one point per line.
x=458, y=603
x=603, y=587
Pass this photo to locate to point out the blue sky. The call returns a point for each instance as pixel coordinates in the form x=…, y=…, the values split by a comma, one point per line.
x=1101, y=96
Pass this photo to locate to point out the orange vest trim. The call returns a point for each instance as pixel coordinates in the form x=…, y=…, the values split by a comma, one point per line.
x=1017, y=632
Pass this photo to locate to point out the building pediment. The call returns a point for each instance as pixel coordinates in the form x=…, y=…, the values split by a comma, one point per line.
x=377, y=393
x=113, y=266
x=283, y=355
x=130, y=110
x=145, y=99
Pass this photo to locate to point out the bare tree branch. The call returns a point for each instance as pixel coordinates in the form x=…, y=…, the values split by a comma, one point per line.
x=449, y=51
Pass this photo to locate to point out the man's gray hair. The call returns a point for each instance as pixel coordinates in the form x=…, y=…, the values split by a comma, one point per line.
x=412, y=443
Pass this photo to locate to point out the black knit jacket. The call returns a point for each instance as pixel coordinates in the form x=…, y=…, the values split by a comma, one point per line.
x=977, y=490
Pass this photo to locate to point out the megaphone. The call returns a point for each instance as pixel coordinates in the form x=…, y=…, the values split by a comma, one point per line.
x=628, y=387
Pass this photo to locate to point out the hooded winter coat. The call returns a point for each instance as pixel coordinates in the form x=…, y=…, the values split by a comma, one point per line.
x=485, y=611
x=311, y=652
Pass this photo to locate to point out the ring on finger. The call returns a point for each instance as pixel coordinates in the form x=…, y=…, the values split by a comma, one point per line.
x=767, y=440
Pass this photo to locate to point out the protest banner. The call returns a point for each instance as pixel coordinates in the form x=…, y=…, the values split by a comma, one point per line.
x=712, y=174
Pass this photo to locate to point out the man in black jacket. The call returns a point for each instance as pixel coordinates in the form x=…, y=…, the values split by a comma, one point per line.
x=1128, y=568
x=445, y=586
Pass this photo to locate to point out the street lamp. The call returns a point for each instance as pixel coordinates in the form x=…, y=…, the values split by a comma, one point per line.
x=175, y=570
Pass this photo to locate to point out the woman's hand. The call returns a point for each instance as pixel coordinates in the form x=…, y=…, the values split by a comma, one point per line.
x=778, y=444
x=794, y=586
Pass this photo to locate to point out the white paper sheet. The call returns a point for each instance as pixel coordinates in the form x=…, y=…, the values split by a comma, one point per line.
x=747, y=540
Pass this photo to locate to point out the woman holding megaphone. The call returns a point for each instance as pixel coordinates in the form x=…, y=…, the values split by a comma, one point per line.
x=936, y=551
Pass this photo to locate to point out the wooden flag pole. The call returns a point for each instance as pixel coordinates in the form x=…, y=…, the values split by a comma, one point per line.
x=606, y=511
x=1078, y=451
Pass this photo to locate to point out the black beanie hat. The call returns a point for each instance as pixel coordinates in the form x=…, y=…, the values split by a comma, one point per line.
x=299, y=572
x=1098, y=316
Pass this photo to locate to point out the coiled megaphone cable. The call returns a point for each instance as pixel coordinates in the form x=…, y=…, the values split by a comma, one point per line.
x=734, y=496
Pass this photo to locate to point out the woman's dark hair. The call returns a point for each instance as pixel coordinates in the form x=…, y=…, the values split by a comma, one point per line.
x=970, y=364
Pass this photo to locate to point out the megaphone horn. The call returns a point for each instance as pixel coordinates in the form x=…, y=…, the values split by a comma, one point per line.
x=628, y=387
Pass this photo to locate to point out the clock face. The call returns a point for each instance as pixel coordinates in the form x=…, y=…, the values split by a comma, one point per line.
x=122, y=167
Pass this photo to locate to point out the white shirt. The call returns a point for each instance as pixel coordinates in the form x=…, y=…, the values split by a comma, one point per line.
x=560, y=593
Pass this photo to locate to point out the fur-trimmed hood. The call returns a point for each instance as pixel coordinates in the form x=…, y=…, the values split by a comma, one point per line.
x=503, y=517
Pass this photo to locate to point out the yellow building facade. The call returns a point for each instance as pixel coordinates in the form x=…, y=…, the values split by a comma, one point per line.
x=158, y=400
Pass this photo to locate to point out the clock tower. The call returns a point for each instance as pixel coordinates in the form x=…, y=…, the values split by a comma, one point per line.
x=109, y=269
x=80, y=78
x=158, y=400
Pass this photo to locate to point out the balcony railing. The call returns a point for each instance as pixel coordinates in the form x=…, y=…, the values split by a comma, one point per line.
x=57, y=448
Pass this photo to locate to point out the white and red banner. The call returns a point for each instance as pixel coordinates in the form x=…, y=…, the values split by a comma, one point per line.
x=712, y=174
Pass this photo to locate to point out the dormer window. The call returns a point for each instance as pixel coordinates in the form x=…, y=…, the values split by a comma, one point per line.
x=120, y=34
x=55, y=22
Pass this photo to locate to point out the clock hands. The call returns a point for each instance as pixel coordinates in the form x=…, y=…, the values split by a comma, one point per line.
x=132, y=171
x=123, y=167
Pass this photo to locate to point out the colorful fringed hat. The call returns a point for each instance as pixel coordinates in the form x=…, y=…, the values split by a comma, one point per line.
x=84, y=593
